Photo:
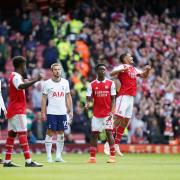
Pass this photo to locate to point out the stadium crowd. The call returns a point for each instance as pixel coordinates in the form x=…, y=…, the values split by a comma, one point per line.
x=99, y=32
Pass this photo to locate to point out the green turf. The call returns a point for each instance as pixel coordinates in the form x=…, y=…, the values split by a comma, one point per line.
x=131, y=166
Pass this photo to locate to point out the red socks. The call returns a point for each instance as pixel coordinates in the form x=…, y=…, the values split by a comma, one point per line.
x=9, y=148
x=119, y=133
x=92, y=151
x=24, y=144
x=112, y=150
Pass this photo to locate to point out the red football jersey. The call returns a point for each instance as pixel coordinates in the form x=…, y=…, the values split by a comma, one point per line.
x=128, y=80
x=101, y=92
x=17, y=99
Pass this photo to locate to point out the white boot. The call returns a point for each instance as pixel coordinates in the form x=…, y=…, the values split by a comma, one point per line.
x=106, y=148
x=116, y=146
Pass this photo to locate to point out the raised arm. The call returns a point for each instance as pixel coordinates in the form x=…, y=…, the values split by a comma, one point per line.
x=30, y=83
x=118, y=69
x=145, y=73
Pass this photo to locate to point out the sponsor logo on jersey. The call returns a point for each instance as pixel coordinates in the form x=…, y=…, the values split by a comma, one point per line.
x=58, y=94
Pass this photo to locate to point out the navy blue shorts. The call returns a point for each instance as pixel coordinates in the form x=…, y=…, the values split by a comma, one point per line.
x=57, y=122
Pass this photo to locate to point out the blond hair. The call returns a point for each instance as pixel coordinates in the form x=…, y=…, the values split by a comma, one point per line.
x=55, y=64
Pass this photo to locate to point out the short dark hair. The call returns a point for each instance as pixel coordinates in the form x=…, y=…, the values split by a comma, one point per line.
x=98, y=65
x=18, y=60
x=122, y=56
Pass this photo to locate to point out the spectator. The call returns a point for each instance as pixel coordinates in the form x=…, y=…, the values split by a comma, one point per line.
x=26, y=25
x=38, y=127
x=3, y=48
x=36, y=97
x=46, y=30
x=31, y=60
x=50, y=55
x=80, y=123
x=17, y=45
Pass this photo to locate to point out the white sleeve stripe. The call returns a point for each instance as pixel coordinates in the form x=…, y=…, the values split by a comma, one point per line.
x=89, y=90
x=17, y=81
x=120, y=67
x=113, y=89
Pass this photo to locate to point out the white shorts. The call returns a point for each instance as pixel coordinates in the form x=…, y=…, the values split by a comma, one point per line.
x=99, y=124
x=124, y=106
x=17, y=123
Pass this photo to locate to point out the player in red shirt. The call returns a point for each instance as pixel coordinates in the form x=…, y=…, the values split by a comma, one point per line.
x=16, y=113
x=103, y=92
x=127, y=74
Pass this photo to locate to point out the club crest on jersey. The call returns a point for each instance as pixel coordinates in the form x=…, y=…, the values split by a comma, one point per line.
x=62, y=88
x=106, y=87
x=96, y=88
x=58, y=94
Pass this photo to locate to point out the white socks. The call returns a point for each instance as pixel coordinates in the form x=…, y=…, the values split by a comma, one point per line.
x=28, y=161
x=48, y=145
x=59, y=145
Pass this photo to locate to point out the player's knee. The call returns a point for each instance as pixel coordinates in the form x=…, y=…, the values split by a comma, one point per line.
x=125, y=122
x=60, y=137
x=48, y=138
x=12, y=134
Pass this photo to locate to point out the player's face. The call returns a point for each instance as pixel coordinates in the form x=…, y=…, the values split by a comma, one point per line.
x=56, y=71
x=101, y=71
x=129, y=59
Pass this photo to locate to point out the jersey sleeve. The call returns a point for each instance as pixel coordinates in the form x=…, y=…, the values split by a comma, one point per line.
x=17, y=80
x=2, y=106
x=138, y=71
x=113, y=89
x=67, y=87
x=44, y=89
x=118, y=68
x=89, y=90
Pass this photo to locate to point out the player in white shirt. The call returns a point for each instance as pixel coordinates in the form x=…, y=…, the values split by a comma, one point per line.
x=2, y=107
x=56, y=91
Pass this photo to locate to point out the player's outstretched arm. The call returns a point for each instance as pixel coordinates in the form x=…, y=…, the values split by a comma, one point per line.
x=30, y=83
x=118, y=69
x=145, y=72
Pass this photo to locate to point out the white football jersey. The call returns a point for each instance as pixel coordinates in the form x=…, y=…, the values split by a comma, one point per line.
x=2, y=106
x=56, y=95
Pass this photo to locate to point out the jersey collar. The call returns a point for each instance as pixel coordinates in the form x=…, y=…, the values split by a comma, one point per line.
x=101, y=81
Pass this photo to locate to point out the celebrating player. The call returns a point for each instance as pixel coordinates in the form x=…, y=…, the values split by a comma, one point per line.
x=127, y=75
x=2, y=106
x=56, y=91
x=16, y=113
x=103, y=92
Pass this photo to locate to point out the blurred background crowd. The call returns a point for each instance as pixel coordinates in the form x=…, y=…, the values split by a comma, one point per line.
x=80, y=34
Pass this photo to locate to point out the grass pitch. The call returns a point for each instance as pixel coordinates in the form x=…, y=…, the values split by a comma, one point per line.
x=129, y=167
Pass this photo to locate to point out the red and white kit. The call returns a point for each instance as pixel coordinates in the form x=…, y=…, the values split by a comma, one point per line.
x=125, y=98
x=16, y=110
x=101, y=91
